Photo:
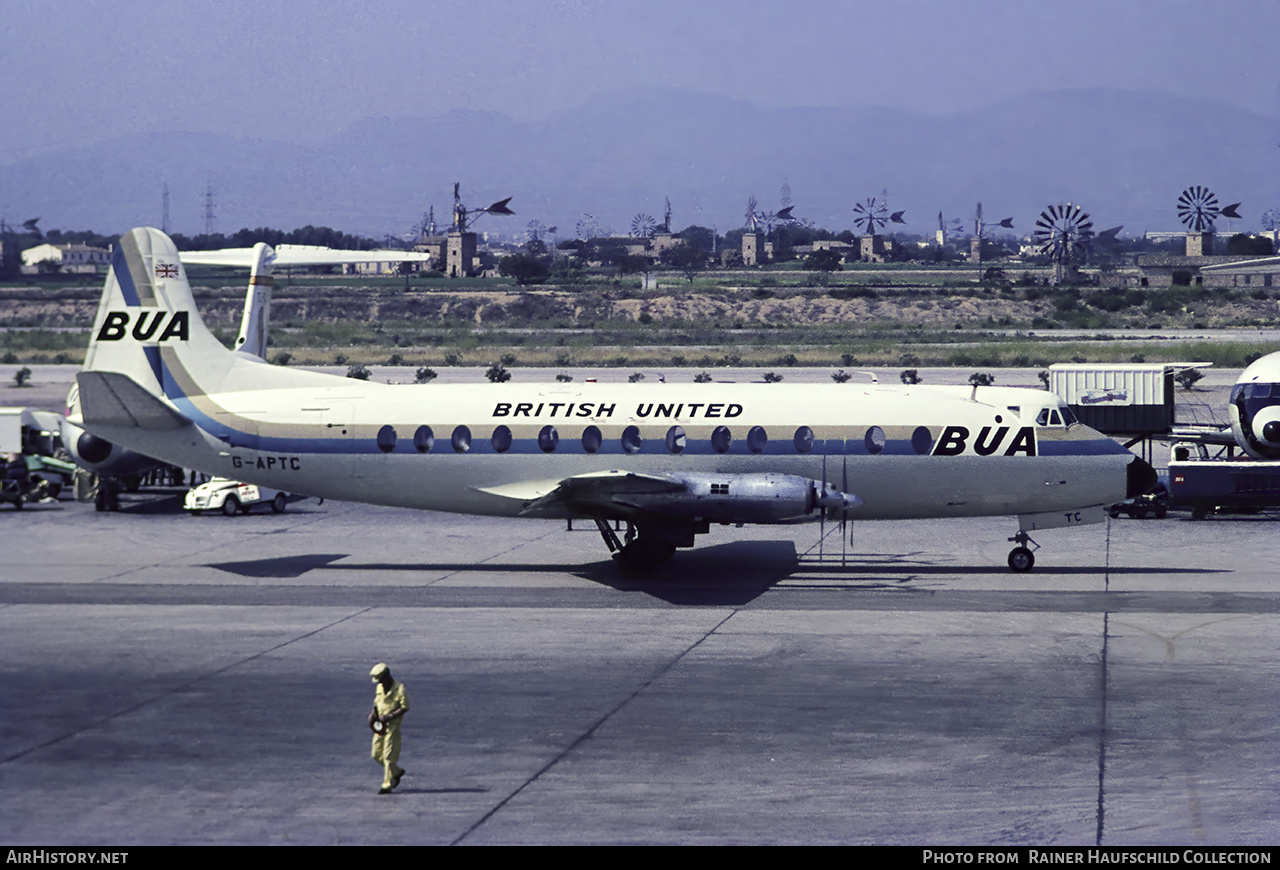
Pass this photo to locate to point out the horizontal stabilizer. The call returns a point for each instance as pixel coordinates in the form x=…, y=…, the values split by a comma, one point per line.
x=113, y=399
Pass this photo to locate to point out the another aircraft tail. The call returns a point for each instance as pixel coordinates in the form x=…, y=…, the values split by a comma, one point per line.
x=147, y=325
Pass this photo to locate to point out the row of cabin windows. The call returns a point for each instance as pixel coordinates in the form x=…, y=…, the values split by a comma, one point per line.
x=676, y=440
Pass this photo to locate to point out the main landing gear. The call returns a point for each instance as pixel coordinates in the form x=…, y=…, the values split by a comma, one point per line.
x=641, y=549
x=1020, y=557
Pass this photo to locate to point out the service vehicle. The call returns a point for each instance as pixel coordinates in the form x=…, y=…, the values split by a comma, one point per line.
x=229, y=496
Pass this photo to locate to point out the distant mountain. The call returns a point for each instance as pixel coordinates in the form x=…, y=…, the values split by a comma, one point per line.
x=1124, y=156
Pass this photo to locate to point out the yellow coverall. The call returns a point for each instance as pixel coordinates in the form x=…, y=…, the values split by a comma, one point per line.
x=386, y=746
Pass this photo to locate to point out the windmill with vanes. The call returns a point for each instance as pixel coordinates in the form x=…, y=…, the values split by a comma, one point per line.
x=759, y=226
x=948, y=230
x=870, y=217
x=982, y=233
x=1198, y=209
x=643, y=226
x=460, y=252
x=1271, y=224
x=1063, y=234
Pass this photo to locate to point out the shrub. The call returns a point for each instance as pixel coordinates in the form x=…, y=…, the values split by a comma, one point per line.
x=358, y=371
x=702, y=378
x=497, y=374
x=981, y=379
x=424, y=375
x=21, y=376
x=1187, y=378
x=771, y=378
x=840, y=376
x=910, y=376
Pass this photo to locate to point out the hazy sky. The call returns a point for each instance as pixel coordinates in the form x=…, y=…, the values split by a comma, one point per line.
x=81, y=70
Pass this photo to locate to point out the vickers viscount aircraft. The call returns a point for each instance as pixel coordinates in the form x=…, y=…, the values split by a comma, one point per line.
x=668, y=460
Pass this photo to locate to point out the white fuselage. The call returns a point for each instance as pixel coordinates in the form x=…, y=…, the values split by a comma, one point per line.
x=488, y=449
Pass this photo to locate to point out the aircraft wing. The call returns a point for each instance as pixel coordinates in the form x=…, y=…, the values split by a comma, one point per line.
x=300, y=255
x=1202, y=434
x=594, y=492
x=1255, y=263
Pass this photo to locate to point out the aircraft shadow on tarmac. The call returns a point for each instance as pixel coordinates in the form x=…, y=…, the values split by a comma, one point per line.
x=281, y=567
x=731, y=574
x=726, y=574
x=720, y=575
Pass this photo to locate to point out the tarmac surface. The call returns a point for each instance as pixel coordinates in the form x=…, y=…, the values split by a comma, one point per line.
x=204, y=680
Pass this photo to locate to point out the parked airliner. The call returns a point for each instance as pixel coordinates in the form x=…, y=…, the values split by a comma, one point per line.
x=668, y=460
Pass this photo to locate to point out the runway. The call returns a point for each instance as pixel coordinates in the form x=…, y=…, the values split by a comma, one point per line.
x=172, y=679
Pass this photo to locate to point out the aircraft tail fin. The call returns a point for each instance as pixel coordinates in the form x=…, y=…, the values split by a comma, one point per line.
x=147, y=326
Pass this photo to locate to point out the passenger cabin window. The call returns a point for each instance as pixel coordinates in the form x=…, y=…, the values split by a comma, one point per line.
x=501, y=439
x=592, y=440
x=757, y=439
x=921, y=440
x=461, y=439
x=424, y=439
x=803, y=439
x=874, y=440
x=721, y=439
x=387, y=439
x=676, y=439
x=548, y=438
x=631, y=440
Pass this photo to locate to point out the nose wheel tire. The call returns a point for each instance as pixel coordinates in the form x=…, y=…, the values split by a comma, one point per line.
x=1021, y=559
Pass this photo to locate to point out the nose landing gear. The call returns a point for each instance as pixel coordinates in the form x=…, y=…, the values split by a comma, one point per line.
x=1021, y=558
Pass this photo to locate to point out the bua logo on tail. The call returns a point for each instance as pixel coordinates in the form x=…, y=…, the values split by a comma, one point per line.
x=146, y=325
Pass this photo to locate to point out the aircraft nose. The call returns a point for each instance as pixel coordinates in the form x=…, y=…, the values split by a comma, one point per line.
x=1142, y=478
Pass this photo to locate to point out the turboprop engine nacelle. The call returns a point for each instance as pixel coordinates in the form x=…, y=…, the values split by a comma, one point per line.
x=745, y=498
x=1255, y=408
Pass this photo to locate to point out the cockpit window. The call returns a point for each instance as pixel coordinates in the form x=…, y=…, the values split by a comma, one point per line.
x=1051, y=417
x=1068, y=416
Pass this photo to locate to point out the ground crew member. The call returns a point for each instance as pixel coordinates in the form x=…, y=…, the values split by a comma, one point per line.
x=390, y=703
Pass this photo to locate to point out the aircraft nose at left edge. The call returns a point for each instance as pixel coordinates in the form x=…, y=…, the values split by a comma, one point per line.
x=1141, y=478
